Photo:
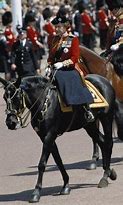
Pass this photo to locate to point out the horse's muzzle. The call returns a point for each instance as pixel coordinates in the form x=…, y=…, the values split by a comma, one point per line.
x=12, y=121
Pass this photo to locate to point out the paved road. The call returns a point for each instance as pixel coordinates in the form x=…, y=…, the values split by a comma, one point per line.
x=19, y=155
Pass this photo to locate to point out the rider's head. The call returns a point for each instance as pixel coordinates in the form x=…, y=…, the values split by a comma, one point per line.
x=62, y=25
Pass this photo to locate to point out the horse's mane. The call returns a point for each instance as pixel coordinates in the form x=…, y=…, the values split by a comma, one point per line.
x=93, y=61
x=84, y=50
x=33, y=82
x=35, y=79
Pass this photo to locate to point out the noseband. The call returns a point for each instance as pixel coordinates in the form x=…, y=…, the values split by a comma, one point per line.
x=21, y=116
x=9, y=99
x=10, y=110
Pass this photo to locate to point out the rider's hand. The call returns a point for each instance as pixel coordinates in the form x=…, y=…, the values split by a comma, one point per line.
x=114, y=47
x=58, y=65
x=13, y=66
x=38, y=71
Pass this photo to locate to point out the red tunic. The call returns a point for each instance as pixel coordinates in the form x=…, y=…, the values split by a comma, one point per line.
x=70, y=50
x=9, y=36
x=49, y=28
x=32, y=35
x=86, y=23
x=102, y=16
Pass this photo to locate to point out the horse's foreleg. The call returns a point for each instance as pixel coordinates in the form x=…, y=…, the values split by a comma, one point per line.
x=66, y=188
x=35, y=197
x=46, y=150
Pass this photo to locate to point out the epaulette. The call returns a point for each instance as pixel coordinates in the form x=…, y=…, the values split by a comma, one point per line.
x=71, y=35
x=28, y=27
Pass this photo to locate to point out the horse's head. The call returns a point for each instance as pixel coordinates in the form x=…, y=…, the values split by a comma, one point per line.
x=32, y=90
x=12, y=97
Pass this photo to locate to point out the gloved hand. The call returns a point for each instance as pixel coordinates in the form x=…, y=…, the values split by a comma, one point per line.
x=114, y=47
x=58, y=65
x=48, y=71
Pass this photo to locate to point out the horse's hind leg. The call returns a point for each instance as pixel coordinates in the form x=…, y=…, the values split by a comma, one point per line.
x=106, y=149
x=95, y=157
x=105, y=143
x=119, y=119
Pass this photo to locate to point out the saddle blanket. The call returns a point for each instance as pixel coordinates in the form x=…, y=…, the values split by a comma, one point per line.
x=99, y=100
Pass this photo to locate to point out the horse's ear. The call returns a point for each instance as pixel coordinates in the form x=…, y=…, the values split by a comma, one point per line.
x=4, y=82
x=17, y=83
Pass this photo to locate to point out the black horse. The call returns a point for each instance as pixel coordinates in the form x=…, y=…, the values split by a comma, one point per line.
x=47, y=119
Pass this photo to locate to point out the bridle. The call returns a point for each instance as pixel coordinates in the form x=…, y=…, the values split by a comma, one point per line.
x=9, y=99
x=20, y=113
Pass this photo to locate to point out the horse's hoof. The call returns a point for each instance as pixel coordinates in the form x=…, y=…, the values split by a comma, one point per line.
x=92, y=165
x=103, y=183
x=113, y=175
x=35, y=196
x=65, y=190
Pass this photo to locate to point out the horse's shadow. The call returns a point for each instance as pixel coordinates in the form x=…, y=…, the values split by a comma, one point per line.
x=46, y=191
x=54, y=191
x=77, y=165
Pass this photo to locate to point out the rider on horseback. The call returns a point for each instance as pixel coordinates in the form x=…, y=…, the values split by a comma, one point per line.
x=115, y=35
x=115, y=32
x=63, y=56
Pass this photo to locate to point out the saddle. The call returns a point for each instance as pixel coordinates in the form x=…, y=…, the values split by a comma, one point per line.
x=99, y=100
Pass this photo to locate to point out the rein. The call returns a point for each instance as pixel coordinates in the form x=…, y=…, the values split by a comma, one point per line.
x=43, y=109
x=19, y=112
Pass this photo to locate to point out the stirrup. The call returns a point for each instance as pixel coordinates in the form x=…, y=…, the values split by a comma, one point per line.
x=89, y=116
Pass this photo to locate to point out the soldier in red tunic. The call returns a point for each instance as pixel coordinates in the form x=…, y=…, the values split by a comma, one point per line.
x=115, y=32
x=87, y=27
x=115, y=35
x=48, y=26
x=63, y=56
x=10, y=40
x=34, y=35
x=102, y=18
x=7, y=20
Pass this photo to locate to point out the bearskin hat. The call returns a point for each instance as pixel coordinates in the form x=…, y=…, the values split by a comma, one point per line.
x=62, y=11
x=81, y=6
x=60, y=19
x=6, y=18
x=29, y=17
x=114, y=4
x=99, y=3
x=46, y=13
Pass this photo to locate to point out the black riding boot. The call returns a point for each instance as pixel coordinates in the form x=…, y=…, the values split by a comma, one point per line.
x=88, y=113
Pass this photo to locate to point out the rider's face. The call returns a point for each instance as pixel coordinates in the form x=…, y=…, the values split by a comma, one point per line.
x=60, y=29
